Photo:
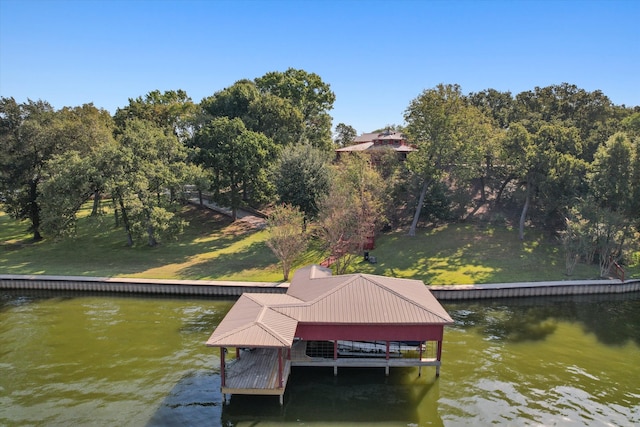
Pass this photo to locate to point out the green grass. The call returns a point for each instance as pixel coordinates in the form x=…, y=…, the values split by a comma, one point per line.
x=214, y=248
x=466, y=254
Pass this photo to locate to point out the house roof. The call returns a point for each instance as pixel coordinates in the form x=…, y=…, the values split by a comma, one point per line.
x=379, y=141
x=315, y=296
x=356, y=147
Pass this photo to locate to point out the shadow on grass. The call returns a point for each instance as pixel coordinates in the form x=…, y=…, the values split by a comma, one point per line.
x=99, y=249
x=467, y=253
x=254, y=256
x=213, y=247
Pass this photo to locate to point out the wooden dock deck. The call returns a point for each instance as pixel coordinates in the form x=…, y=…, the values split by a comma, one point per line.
x=256, y=372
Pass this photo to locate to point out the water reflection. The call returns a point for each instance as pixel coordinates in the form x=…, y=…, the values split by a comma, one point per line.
x=354, y=397
x=614, y=319
x=78, y=359
x=194, y=400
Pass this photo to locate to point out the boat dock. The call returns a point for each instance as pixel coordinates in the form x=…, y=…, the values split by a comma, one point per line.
x=256, y=371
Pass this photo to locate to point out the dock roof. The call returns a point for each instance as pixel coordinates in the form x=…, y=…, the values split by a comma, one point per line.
x=315, y=296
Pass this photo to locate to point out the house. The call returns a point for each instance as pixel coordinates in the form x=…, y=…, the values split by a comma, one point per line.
x=353, y=320
x=378, y=142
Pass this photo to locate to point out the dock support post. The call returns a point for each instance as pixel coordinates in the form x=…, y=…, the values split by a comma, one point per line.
x=280, y=369
x=335, y=358
x=223, y=378
x=438, y=357
x=386, y=368
x=420, y=357
x=281, y=399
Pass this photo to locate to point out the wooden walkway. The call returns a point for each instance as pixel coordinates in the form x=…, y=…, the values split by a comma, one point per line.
x=256, y=372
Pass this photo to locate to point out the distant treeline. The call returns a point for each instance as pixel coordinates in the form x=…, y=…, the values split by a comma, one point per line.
x=558, y=157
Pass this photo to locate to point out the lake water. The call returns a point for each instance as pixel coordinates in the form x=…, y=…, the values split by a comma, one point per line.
x=109, y=360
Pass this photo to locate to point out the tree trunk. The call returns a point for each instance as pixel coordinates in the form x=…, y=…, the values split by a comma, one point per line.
x=96, y=202
x=501, y=190
x=525, y=208
x=416, y=216
x=125, y=221
x=34, y=210
x=152, y=240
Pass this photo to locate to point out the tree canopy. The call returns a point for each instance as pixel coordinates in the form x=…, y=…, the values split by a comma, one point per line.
x=559, y=158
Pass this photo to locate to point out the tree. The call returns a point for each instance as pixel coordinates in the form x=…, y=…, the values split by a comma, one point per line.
x=275, y=117
x=66, y=187
x=345, y=135
x=611, y=176
x=548, y=166
x=172, y=110
x=591, y=113
x=148, y=170
x=83, y=132
x=286, y=240
x=301, y=177
x=238, y=159
x=307, y=92
x=445, y=128
x=232, y=102
x=352, y=211
x=27, y=142
x=498, y=105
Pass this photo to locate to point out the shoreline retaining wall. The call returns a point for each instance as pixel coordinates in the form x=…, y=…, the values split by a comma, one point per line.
x=535, y=289
x=230, y=288
x=137, y=286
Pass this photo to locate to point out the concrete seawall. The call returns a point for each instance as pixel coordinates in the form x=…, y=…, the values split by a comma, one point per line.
x=137, y=286
x=535, y=289
x=230, y=288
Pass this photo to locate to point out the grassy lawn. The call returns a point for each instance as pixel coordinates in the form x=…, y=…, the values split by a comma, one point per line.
x=213, y=247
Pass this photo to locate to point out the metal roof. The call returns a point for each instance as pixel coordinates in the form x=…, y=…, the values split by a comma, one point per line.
x=252, y=323
x=314, y=296
x=365, y=299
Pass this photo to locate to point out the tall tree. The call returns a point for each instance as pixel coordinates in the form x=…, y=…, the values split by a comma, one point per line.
x=301, y=177
x=310, y=95
x=286, y=239
x=446, y=129
x=345, y=134
x=83, y=130
x=149, y=168
x=275, y=117
x=352, y=211
x=591, y=113
x=27, y=142
x=498, y=105
x=611, y=176
x=172, y=110
x=548, y=166
x=238, y=159
x=232, y=102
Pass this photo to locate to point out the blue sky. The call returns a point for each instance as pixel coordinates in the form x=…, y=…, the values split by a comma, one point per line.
x=376, y=55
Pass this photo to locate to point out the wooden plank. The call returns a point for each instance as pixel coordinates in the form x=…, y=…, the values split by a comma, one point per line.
x=256, y=372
